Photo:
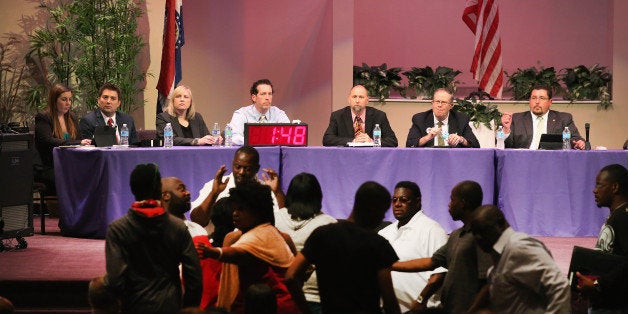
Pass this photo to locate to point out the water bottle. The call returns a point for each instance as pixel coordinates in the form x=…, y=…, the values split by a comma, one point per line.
x=228, y=136
x=501, y=137
x=124, y=135
x=566, y=139
x=168, y=136
x=377, y=136
x=216, y=132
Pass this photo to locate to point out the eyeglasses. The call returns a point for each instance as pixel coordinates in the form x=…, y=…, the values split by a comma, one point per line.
x=401, y=199
x=440, y=102
x=542, y=98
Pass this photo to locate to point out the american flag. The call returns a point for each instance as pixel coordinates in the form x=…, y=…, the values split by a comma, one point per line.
x=173, y=40
x=482, y=17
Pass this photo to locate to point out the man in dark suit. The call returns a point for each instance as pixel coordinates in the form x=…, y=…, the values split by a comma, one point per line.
x=355, y=123
x=107, y=114
x=440, y=126
x=521, y=128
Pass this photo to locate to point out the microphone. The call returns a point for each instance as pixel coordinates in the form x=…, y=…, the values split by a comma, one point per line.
x=587, y=144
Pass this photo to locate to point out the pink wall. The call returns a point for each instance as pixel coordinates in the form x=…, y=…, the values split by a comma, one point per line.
x=559, y=33
x=230, y=44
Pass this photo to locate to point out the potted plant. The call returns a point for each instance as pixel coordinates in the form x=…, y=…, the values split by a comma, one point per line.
x=424, y=81
x=478, y=111
x=587, y=84
x=522, y=81
x=378, y=80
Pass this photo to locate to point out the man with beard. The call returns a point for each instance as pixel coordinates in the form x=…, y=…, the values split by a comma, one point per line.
x=355, y=123
x=245, y=167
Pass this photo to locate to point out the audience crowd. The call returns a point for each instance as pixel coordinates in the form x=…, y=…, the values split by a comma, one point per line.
x=248, y=248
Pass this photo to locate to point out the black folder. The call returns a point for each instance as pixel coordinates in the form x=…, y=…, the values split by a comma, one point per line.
x=592, y=262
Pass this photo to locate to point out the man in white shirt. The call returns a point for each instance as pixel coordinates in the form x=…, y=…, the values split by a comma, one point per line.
x=244, y=168
x=413, y=235
x=261, y=111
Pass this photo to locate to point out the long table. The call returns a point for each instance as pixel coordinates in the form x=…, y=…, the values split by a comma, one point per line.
x=93, y=185
x=436, y=170
x=545, y=193
x=550, y=193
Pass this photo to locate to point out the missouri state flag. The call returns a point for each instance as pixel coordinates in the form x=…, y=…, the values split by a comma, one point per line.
x=482, y=17
x=173, y=40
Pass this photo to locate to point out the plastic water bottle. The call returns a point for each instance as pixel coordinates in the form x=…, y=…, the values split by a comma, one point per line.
x=377, y=136
x=501, y=137
x=228, y=136
x=168, y=136
x=124, y=135
x=566, y=139
x=216, y=132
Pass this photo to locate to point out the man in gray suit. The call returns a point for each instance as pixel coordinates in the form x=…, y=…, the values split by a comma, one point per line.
x=524, y=129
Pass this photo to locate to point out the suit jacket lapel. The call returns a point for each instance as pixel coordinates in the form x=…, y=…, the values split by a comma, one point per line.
x=347, y=122
x=552, y=124
x=527, y=124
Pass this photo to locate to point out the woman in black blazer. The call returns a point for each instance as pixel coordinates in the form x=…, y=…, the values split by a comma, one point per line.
x=188, y=125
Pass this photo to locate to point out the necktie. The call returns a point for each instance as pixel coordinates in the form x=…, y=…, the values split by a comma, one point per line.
x=262, y=119
x=110, y=122
x=537, y=133
x=441, y=140
x=357, y=126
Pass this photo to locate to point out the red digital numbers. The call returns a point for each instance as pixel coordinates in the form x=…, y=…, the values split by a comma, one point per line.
x=292, y=135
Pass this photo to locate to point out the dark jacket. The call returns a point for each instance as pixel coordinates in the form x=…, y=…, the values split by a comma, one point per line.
x=94, y=118
x=522, y=130
x=197, y=124
x=458, y=123
x=46, y=142
x=340, y=130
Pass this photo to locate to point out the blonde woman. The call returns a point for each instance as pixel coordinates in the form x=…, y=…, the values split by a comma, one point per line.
x=188, y=125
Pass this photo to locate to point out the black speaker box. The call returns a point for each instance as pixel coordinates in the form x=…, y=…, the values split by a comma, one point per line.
x=16, y=185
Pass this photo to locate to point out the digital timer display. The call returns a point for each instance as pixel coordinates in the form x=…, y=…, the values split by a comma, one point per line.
x=275, y=134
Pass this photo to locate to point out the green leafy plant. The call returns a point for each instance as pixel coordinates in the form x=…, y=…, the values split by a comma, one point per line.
x=12, y=74
x=587, y=84
x=86, y=44
x=521, y=81
x=378, y=80
x=478, y=111
x=424, y=81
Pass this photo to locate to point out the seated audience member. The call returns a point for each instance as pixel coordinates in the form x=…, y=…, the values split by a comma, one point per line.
x=524, y=129
x=143, y=251
x=188, y=126
x=108, y=114
x=608, y=293
x=259, y=255
x=466, y=263
x=100, y=299
x=6, y=306
x=352, y=262
x=413, y=235
x=176, y=200
x=55, y=127
x=524, y=278
x=261, y=111
x=440, y=126
x=245, y=166
x=301, y=216
x=355, y=123
x=260, y=299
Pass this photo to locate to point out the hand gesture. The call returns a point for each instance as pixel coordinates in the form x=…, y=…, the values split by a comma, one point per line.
x=506, y=121
x=454, y=139
x=270, y=178
x=219, y=185
x=362, y=138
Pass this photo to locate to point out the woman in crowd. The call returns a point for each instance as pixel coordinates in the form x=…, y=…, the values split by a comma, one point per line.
x=56, y=126
x=299, y=218
x=260, y=255
x=188, y=125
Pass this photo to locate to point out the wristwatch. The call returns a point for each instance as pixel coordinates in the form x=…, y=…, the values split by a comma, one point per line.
x=419, y=299
x=596, y=286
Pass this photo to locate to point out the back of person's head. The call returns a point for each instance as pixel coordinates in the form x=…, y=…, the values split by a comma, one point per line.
x=100, y=299
x=261, y=82
x=6, y=306
x=146, y=182
x=471, y=193
x=304, y=197
x=410, y=186
x=617, y=173
x=256, y=198
x=260, y=299
x=372, y=200
x=249, y=150
x=222, y=218
x=490, y=215
x=110, y=86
